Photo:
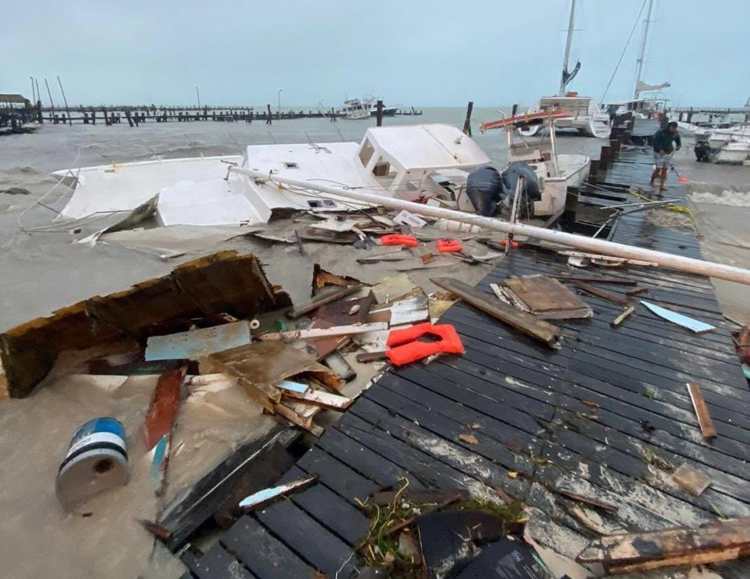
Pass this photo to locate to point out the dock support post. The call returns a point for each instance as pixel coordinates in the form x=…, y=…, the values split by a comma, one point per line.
x=379, y=113
x=467, y=120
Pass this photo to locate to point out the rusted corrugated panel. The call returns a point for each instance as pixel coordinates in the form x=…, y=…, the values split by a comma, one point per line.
x=221, y=283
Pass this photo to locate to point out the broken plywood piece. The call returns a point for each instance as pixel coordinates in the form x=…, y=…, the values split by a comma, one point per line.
x=265, y=497
x=526, y=323
x=640, y=552
x=701, y=411
x=691, y=479
x=195, y=344
x=604, y=260
x=224, y=282
x=392, y=287
x=299, y=415
x=547, y=298
x=259, y=366
x=320, y=398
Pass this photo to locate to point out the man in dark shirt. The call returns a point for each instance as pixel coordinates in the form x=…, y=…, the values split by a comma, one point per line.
x=663, y=140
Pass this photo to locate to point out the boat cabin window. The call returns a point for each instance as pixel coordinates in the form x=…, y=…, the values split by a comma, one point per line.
x=365, y=152
x=381, y=169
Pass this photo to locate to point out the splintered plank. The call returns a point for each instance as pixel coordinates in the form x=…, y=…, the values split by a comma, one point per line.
x=526, y=323
x=262, y=553
x=217, y=564
x=600, y=293
x=313, y=541
x=701, y=411
x=639, y=552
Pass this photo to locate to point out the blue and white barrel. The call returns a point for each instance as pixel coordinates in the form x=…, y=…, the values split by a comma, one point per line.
x=97, y=460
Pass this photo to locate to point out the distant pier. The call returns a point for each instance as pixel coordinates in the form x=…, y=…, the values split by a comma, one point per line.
x=686, y=114
x=135, y=115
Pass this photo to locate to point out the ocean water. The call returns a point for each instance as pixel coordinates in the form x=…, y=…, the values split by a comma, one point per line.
x=55, y=147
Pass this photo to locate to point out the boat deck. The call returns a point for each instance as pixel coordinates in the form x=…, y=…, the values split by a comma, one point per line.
x=607, y=416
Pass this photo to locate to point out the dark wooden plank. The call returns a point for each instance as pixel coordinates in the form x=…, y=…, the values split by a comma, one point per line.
x=254, y=466
x=336, y=475
x=216, y=563
x=330, y=509
x=364, y=461
x=319, y=547
x=265, y=555
x=433, y=445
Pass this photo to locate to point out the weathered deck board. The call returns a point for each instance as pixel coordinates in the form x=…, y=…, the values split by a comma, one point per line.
x=607, y=416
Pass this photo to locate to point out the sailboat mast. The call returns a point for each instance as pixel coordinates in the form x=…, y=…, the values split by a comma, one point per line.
x=568, y=44
x=639, y=63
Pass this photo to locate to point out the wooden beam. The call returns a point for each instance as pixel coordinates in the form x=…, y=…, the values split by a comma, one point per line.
x=638, y=552
x=604, y=294
x=701, y=411
x=322, y=299
x=320, y=398
x=526, y=323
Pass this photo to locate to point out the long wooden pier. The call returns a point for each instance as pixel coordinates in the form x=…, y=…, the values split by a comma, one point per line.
x=135, y=115
x=607, y=416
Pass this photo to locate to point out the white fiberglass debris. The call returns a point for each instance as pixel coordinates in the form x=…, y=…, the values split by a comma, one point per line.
x=691, y=324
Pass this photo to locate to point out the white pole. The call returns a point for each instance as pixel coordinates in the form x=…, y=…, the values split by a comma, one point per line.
x=642, y=56
x=568, y=44
x=593, y=245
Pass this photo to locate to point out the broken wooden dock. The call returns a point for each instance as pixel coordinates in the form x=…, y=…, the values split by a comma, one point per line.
x=607, y=417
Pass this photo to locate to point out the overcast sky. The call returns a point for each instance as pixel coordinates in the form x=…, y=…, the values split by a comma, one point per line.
x=410, y=52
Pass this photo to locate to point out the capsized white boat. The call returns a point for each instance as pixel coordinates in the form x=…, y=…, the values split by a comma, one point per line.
x=404, y=161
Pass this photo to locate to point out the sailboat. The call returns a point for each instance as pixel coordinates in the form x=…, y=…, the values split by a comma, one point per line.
x=584, y=113
x=640, y=106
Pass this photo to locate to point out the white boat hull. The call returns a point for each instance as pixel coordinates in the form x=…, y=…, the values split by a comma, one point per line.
x=573, y=172
x=586, y=117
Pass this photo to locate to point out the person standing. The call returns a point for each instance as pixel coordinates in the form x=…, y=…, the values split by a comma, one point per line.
x=665, y=141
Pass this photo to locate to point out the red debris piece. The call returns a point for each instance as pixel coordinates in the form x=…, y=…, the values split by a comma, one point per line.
x=398, y=239
x=164, y=406
x=449, y=245
x=406, y=347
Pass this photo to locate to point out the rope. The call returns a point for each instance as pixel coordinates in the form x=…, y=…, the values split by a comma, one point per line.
x=624, y=50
